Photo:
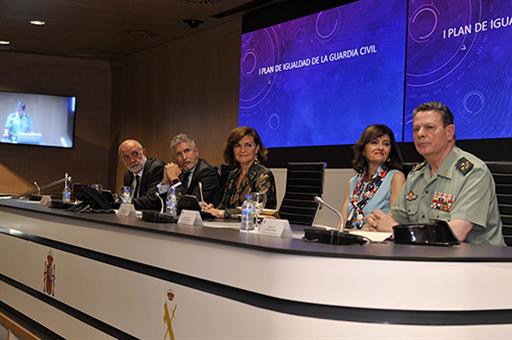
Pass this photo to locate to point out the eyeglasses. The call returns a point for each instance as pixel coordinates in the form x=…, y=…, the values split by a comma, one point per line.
x=134, y=154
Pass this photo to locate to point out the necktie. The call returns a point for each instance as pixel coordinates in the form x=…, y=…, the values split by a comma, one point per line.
x=184, y=179
x=137, y=186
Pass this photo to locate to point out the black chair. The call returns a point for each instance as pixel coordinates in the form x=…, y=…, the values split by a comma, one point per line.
x=502, y=173
x=304, y=181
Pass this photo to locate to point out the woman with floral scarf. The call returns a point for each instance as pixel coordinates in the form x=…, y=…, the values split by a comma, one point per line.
x=379, y=180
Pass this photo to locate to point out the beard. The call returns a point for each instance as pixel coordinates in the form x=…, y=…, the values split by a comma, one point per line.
x=135, y=168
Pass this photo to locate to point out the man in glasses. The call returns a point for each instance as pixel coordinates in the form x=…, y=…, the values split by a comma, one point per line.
x=143, y=175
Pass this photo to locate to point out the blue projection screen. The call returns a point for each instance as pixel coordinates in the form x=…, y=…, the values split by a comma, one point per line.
x=321, y=79
x=459, y=52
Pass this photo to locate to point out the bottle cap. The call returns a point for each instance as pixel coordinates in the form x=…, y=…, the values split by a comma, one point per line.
x=248, y=197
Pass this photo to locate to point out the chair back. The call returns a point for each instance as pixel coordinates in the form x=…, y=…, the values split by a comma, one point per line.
x=502, y=173
x=304, y=181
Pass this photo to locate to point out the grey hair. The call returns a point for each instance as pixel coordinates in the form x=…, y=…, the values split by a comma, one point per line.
x=181, y=138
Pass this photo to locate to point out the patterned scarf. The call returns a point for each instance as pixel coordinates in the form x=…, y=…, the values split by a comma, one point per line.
x=363, y=193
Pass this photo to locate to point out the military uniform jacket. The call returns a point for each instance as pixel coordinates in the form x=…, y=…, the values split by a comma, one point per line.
x=462, y=189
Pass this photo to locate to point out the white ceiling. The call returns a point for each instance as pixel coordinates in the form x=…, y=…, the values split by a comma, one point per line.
x=109, y=29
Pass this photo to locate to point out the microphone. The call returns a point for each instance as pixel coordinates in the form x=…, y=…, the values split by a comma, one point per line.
x=320, y=201
x=201, y=191
x=158, y=217
x=38, y=188
x=338, y=236
x=161, y=202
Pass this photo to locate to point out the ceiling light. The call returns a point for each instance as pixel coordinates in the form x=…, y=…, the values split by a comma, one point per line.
x=37, y=22
x=4, y=42
x=193, y=23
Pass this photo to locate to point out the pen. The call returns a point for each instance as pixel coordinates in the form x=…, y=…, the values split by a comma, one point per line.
x=201, y=191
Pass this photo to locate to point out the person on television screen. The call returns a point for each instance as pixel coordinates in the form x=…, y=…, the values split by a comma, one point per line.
x=450, y=185
x=143, y=174
x=17, y=122
x=190, y=174
x=244, y=150
x=379, y=180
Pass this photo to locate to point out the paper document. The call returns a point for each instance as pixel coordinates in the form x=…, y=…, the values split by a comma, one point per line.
x=222, y=224
x=374, y=236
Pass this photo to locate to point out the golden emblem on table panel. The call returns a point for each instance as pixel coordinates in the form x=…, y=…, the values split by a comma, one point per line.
x=169, y=315
x=49, y=274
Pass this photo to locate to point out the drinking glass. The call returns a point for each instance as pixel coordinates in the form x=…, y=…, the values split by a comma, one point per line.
x=259, y=199
x=126, y=194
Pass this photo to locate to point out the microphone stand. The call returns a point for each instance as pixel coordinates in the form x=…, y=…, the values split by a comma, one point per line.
x=337, y=236
x=161, y=202
x=38, y=188
x=339, y=224
x=51, y=185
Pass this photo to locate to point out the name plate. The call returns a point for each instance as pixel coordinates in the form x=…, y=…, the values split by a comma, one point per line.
x=190, y=217
x=46, y=200
x=275, y=227
x=126, y=209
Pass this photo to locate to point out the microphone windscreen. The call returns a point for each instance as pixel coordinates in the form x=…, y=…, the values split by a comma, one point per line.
x=157, y=217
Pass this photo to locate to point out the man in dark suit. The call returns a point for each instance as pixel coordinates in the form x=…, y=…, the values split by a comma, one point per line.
x=144, y=174
x=192, y=172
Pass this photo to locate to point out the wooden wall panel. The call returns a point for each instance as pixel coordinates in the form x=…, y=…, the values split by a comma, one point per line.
x=190, y=85
x=90, y=81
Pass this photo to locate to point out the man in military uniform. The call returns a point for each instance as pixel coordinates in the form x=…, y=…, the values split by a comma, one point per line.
x=451, y=185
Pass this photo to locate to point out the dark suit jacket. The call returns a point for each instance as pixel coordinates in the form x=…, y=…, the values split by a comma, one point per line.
x=152, y=175
x=209, y=177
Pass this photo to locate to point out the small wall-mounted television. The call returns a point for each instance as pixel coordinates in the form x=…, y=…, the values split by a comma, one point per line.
x=37, y=119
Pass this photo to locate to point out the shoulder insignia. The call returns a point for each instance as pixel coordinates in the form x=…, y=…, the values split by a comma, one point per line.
x=463, y=165
x=419, y=166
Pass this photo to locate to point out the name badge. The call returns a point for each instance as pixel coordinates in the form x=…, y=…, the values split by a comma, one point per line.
x=190, y=217
x=275, y=227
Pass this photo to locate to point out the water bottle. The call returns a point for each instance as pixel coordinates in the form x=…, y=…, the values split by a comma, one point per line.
x=247, y=215
x=170, y=203
x=66, y=193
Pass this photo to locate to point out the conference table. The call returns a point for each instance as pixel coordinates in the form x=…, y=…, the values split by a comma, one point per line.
x=91, y=276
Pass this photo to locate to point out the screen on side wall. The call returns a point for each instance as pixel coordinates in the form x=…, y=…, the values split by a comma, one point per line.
x=37, y=119
x=321, y=79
